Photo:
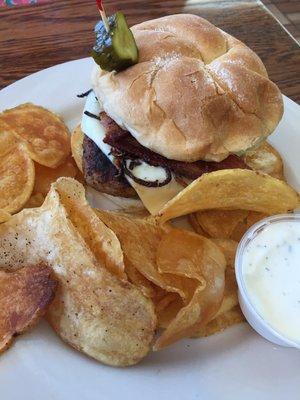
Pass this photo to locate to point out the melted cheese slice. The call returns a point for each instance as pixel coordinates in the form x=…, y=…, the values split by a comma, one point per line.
x=153, y=198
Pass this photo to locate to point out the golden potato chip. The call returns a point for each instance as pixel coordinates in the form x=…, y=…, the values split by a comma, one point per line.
x=45, y=176
x=267, y=160
x=193, y=220
x=229, y=312
x=24, y=297
x=227, y=224
x=7, y=139
x=234, y=189
x=44, y=134
x=101, y=240
x=167, y=309
x=222, y=322
x=76, y=146
x=243, y=226
x=220, y=223
x=199, y=258
x=93, y=310
x=184, y=249
x=139, y=239
x=230, y=298
x=228, y=248
x=4, y=216
x=135, y=277
x=16, y=179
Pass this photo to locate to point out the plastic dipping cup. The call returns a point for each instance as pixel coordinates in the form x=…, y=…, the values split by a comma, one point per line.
x=251, y=313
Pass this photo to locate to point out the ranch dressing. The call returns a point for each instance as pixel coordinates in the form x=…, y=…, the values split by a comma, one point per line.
x=271, y=274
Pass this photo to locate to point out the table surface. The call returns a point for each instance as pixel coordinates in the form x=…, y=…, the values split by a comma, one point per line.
x=36, y=37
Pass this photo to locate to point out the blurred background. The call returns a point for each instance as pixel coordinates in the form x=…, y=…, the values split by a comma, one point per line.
x=287, y=12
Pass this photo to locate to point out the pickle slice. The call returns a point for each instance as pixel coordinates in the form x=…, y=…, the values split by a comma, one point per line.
x=116, y=49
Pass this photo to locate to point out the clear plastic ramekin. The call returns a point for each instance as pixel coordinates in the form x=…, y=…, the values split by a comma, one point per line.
x=257, y=322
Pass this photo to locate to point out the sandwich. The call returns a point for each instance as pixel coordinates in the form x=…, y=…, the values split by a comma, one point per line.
x=196, y=100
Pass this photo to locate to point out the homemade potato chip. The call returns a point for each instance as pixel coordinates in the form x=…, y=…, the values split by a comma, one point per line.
x=7, y=139
x=226, y=224
x=193, y=220
x=44, y=134
x=101, y=240
x=220, y=223
x=222, y=322
x=230, y=298
x=16, y=179
x=228, y=248
x=4, y=216
x=234, y=189
x=195, y=257
x=167, y=309
x=45, y=176
x=135, y=277
x=76, y=146
x=139, y=239
x=93, y=310
x=229, y=313
x=24, y=297
x=243, y=226
x=267, y=160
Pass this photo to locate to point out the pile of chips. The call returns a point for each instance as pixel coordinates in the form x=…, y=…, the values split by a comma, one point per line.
x=34, y=151
x=115, y=285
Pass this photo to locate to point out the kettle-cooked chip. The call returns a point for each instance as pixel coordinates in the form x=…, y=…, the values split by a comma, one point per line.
x=93, y=310
x=220, y=223
x=101, y=240
x=139, y=239
x=8, y=140
x=234, y=189
x=225, y=224
x=76, y=146
x=167, y=308
x=44, y=134
x=16, y=179
x=229, y=313
x=24, y=297
x=228, y=248
x=197, y=257
x=222, y=322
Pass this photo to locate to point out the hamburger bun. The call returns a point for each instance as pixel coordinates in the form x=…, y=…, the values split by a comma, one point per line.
x=196, y=93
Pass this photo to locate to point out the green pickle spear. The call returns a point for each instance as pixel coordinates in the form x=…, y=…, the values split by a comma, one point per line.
x=116, y=49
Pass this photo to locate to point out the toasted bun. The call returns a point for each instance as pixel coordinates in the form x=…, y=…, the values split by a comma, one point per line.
x=196, y=93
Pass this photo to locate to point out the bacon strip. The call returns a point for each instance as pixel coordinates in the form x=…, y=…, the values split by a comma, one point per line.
x=127, y=145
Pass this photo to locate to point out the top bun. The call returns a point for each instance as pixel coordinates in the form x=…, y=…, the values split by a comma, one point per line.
x=196, y=92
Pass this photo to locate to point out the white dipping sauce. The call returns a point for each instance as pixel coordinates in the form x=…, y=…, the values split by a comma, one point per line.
x=271, y=272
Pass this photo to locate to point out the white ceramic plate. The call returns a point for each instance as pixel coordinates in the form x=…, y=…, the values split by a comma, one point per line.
x=236, y=364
